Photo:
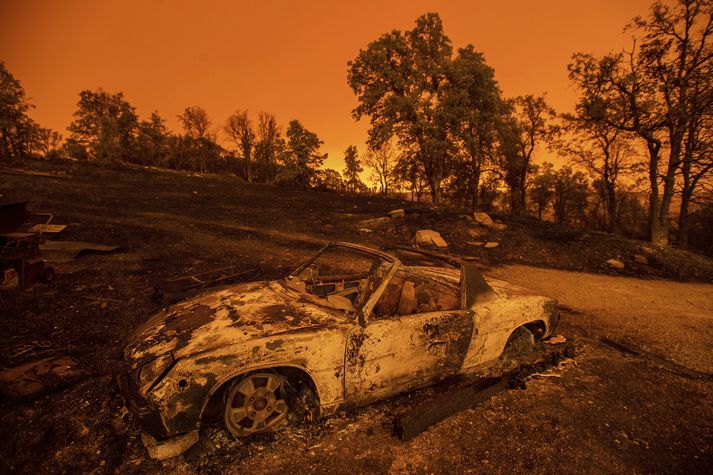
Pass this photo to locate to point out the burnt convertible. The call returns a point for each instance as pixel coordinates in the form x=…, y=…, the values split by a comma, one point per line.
x=350, y=326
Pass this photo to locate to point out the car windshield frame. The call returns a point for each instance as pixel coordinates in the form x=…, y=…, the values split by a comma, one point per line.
x=474, y=288
x=368, y=305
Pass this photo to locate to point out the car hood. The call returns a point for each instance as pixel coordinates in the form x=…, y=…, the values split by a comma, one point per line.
x=224, y=317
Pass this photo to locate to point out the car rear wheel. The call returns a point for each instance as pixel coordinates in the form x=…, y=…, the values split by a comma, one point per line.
x=256, y=403
x=520, y=343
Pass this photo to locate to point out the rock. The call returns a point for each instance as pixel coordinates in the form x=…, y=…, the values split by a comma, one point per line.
x=648, y=249
x=483, y=218
x=430, y=237
x=615, y=264
x=491, y=245
x=476, y=233
x=476, y=243
x=499, y=226
x=397, y=213
x=639, y=259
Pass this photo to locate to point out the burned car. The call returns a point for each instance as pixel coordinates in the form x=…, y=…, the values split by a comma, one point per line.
x=350, y=326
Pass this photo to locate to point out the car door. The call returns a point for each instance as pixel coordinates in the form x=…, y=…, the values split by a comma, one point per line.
x=393, y=353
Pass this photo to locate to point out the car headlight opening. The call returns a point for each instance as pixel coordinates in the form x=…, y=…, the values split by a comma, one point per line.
x=153, y=371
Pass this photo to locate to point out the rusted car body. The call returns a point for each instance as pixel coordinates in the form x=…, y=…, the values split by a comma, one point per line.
x=352, y=338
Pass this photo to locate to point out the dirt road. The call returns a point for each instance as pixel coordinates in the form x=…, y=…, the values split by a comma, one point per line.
x=672, y=319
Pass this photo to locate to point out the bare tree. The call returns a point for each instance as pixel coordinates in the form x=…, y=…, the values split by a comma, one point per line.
x=239, y=129
x=382, y=163
x=605, y=152
x=196, y=123
x=268, y=145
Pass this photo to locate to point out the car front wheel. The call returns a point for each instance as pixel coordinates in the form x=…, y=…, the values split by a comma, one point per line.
x=256, y=403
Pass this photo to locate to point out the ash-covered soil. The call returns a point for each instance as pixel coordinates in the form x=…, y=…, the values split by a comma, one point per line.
x=603, y=411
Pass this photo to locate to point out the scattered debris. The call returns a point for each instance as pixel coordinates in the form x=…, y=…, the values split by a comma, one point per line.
x=48, y=228
x=491, y=245
x=374, y=223
x=169, y=448
x=21, y=261
x=66, y=251
x=615, y=264
x=499, y=226
x=429, y=237
x=556, y=340
x=639, y=259
x=40, y=376
x=476, y=243
x=397, y=213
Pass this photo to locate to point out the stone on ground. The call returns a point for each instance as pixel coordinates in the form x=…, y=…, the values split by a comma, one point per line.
x=429, y=237
x=615, y=264
x=639, y=259
x=483, y=218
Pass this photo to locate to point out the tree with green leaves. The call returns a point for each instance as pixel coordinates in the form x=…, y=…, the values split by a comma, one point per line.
x=521, y=134
x=328, y=180
x=570, y=195
x=17, y=129
x=239, y=129
x=474, y=107
x=104, y=127
x=303, y=157
x=152, y=141
x=198, y=145
x=400, y=81
x=353, y=168
x=542, y=187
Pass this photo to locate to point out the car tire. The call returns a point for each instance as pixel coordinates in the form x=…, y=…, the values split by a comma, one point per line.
x=257, y=402
x=303, y=402
x=520, y=343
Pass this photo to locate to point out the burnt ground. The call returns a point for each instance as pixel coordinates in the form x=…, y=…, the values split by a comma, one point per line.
x=606, y=410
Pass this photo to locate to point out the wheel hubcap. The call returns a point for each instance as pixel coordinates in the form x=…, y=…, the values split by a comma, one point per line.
x=256, y=404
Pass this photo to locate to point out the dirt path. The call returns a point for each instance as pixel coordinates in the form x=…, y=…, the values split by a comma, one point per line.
x=672, y=319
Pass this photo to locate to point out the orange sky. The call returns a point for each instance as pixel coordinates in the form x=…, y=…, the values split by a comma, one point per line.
x=285, y=57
